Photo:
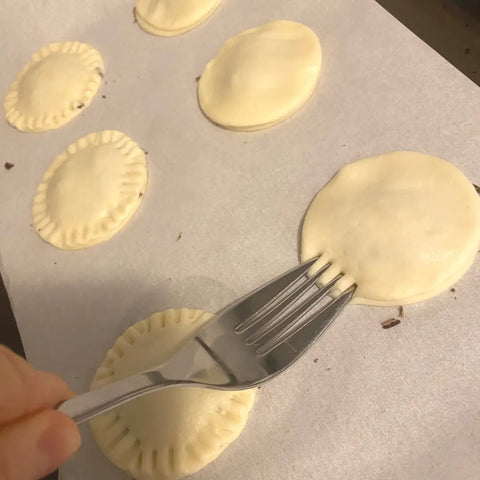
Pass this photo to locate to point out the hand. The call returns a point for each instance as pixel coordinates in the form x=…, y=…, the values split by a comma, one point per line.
x=34, y=438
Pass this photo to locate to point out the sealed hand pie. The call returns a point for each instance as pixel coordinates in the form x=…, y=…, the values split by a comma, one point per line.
x=90, y=191
x=54, y=87
x=403, y=226
x=170, y=433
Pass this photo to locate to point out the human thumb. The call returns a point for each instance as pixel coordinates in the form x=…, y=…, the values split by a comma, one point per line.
x=34, y=446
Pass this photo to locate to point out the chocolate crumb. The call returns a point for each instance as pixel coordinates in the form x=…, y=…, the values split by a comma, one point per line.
x=400, y=311
x=80, y=105
x=145, y=151
x=99, y=71
x=315, y=360
x=467, y=50
x=452, y=290
x=54, y=263
x=391, y=322
x=134, y=11
x=198, y=78
x=179, y=236
x=477, y=188
x=104, y=96
x=8, y=165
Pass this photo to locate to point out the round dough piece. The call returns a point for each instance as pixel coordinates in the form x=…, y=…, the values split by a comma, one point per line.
x=55, y=86
x=403, y=226
x=171, y=433
x=261, y=76
x=90, y=191
x=173, y=17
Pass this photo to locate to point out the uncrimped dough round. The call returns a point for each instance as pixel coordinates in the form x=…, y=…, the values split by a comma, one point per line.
x=171, y=433
x=55, y=86
x=403, y=226
x=261, y=76
x=173, y=17
x=90, y=191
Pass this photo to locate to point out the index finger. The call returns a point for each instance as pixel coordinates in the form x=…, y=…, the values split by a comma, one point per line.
x=24, y=390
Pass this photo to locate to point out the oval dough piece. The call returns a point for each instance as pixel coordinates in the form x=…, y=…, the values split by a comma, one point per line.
x=171, y=433
x=55, y=86
x=173, y=17
x=261, y=76
x=403, y=226
x=90, y=191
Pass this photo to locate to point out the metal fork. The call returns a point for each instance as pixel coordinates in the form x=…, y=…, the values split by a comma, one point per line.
x=243, y=346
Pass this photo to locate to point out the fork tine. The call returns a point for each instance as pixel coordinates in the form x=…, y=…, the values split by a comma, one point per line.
x=271, y=291
x=323, y=318
x=278, y=305
x=301, y=309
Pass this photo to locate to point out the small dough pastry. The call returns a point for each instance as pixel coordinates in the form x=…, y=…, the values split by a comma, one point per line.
x=261, y=76
x=403, y=226
x=173, y=17
x=171, y=433
x=54, y=87
x=90, y=191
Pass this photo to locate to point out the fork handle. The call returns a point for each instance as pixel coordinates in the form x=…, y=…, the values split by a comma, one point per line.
x=88, y=405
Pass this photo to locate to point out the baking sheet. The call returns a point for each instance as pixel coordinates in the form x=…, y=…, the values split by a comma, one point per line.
x=364, y=403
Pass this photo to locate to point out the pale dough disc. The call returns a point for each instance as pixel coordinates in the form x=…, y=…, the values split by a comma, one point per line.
x=171, y=433
x=403, y=226
x=173, y=17
x=55, y=86
x=261, y=76
x=90, y=191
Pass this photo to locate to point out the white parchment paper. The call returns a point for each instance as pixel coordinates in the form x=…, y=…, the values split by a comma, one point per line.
x=364, y=403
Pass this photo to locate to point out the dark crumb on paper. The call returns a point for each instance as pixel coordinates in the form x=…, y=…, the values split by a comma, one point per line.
x=391, y=322
x=104, y=96
x=400, y=311
x=198, y=78
x=54, y=263
x=99, y=71
x=467, y=50
x=76, y=378
x=328, y=368
x=170, y=278
x=452, y=290
x=140, y=194
x=80, y=105
x=179, y=236
x=145, y=151
x=476, y=187
x=8, y=165
x=315, y=360
x=134, y=11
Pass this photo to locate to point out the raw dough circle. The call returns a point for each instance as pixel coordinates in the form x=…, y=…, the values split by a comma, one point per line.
x=173, y=17
x=403, y=226
x=174, y=432
x=90, y=191
x=261, y=76
x=54, y=87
